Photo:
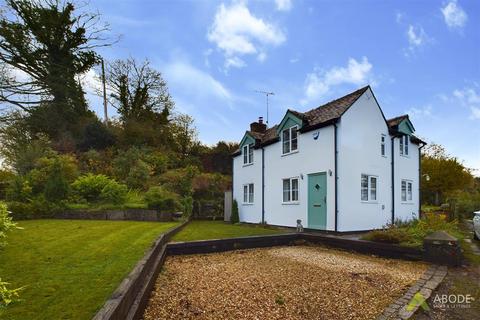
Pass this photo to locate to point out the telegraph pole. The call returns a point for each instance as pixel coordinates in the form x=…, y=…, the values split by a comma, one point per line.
x=266, y=93
x=105, y=111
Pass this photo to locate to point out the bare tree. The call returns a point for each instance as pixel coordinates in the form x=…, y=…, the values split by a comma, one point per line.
x=138, y=91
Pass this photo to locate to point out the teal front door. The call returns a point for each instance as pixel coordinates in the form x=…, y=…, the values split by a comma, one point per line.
x=317, y=200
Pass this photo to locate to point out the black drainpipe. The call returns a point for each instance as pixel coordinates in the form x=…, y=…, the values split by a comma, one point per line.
x=263, y=185
x=420, y=180
x=336, y=176
x=393, y=180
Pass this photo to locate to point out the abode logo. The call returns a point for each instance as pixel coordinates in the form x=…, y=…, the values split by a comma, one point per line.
x=453, y=301
x=441, y=301
x=418, y=300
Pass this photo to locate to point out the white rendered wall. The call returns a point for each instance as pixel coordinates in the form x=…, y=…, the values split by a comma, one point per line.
x=406, y=167
x=313, y=156
x=359, y=139
x=244, y=174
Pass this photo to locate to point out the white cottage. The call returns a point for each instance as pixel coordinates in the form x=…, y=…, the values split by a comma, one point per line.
x=339, y=167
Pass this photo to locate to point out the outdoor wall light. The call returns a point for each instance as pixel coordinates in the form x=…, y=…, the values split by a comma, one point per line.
x=301, y=176
x=330, y=172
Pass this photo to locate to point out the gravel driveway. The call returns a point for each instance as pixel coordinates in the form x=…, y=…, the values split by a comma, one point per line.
x=300, y=282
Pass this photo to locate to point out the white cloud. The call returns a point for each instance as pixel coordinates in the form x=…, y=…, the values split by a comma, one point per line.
x=470, y=98
x=237, y=32
x=454, y=15
x=475, y=113
x=194, y=82
x=283, y=5
x=399, y=17
x=417, y=38
x=418, y=113
x=262, y=56
x=319, y=83
x=234, y=62
x=91, y=82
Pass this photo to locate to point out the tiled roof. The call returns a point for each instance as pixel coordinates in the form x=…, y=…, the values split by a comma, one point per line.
x=314, y=118
x=333, y=109
x=318, y=116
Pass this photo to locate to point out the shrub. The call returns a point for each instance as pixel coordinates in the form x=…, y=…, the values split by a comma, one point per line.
x=35, y=208
x=56, y=187
x=19, y=190
x=390, y=235
x=6, y=223
x=234, y=217
x=90, y=186
x=187, y=204
x=464, y=203
x=7, y=296
x=64, y=165
x=114, y=192
x=413, y=232
x=161, y=199
x=138, y=175
x=180, y=180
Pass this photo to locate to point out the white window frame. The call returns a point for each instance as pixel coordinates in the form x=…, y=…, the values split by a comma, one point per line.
x=404, y=145
x=247, y=151
x=383, y=146
x=372, y=192
x=248, y=193
x=293, y=193
x=406, y=197
x=290, y=150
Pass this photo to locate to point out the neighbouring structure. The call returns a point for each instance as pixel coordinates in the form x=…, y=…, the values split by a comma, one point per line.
x=339, y=167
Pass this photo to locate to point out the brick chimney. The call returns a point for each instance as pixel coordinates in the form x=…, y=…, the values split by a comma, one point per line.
x=259, y=126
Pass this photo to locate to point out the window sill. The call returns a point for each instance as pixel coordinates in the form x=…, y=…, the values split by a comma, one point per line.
x=247, y=164
x=405, y=156
x=292, y=203
x=369, y=202
x=248, y=204
x=384, y=156
x=289, y=153
x=407, y=202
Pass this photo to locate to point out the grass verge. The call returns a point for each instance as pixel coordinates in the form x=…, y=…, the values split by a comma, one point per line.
x=205, y=230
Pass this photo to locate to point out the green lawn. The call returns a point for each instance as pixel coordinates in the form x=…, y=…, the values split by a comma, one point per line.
x=203, y=230
x=71, y=267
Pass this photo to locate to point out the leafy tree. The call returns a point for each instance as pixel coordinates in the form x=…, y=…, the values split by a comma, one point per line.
x=445, y=173
x=96, y=136
x=219, y=157
x=185, y=135
x=20, y=149
x=47, y=45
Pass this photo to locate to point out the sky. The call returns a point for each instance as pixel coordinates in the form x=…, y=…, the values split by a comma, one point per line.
x=420, y=58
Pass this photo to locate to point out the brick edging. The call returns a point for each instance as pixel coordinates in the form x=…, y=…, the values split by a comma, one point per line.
x=427, y=283
x=131, y=296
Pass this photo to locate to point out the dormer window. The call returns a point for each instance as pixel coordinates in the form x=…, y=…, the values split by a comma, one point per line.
x=248, y=153
x=290, y=140
x=404, y=140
